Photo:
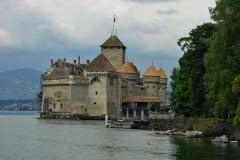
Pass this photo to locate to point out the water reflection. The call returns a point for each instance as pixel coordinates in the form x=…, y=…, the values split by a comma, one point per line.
x=199, y=149
x=28, y=137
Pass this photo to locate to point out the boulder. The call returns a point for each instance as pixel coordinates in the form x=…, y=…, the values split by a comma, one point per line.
x=169, y=132
x=223, y=139
x=193, y=134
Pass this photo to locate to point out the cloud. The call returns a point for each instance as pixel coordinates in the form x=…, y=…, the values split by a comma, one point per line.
x=170, y=11
x=6, y=39
x=65, y=29
x=152, y=1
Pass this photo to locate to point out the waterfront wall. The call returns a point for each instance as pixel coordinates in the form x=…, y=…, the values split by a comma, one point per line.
x=177, y=123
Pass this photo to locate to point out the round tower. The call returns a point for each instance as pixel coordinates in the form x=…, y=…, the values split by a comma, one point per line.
x=163, y=86
x=129, y=72
x=151, y=80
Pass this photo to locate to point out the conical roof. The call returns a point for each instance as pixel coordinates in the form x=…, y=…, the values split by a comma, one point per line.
x=127, y=67
x=162, y=73
x=113, y=41
x=151, y=71
x=100, y=64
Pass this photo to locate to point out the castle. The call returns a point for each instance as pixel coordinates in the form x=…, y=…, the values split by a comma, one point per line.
x=107, y=85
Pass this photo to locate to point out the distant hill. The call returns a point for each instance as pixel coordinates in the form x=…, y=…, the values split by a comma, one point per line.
x=19, y=84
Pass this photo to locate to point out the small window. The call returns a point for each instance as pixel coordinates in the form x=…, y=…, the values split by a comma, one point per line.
x=111, y=81
x=147, y=86
x=94, y=103
x=54, y=106
x=96, y=92
x=111, y=47
x=153, y=86
x=61, y=105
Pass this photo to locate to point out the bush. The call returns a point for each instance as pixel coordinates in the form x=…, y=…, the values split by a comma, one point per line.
x=154, y=107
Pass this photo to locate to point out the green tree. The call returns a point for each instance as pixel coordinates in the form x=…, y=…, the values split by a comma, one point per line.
x=154, y=107
x=173, y=85
x=236, y=91
x=222, y=60
x=187, y=81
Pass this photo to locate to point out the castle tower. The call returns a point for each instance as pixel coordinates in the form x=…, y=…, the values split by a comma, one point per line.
x=151, y=80
x=129, y=73
x=163, y=86
x=114, y=50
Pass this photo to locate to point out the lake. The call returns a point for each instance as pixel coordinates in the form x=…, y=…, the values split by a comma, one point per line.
x=23, y=136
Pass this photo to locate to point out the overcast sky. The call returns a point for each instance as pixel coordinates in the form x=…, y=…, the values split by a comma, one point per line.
x=34, y=31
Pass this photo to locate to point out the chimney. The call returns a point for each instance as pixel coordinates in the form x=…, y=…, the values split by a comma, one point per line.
x=88, y=61
x=78, y=60
x=74, y=62
x=64, y=62
x=51, y=62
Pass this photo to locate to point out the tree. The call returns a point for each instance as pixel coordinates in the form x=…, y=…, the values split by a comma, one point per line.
x=154, y=107
x=187, y=81
x=222, y=60
x=236, y=91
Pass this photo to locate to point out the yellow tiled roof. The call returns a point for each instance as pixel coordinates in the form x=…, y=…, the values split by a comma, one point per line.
x=151, y=71
x=162, y=73
x=127, y=67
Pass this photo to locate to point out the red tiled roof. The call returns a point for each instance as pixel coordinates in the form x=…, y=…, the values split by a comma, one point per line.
x=100, y=64
x=113, y=41
x=140, y=99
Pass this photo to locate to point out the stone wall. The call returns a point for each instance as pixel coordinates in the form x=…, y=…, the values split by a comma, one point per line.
x=97, y=94
x=152, y=86
x=178, y=123
x=113, y=101
x=57, y=98
x=115, y=55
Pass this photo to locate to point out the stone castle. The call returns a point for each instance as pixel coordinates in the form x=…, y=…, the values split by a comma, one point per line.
x=107, y=85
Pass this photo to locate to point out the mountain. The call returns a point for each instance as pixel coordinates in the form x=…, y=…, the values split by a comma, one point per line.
x=19, y=84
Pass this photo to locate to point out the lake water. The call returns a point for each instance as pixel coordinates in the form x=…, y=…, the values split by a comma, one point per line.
x=25, y=137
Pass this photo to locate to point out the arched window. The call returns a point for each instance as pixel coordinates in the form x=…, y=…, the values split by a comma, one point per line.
x=95, y=79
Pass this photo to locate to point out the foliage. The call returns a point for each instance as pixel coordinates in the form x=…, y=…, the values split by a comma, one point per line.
x=202, y=83
x=236, y=91
x=187, y=81
x=154, y=107
x=222, y=61
x=199, y=124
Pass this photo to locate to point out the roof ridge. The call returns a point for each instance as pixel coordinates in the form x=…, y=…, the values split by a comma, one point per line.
x=100, y=64
x=151, y=71
x=113, y=41
x=162, y=73
x=127, y=67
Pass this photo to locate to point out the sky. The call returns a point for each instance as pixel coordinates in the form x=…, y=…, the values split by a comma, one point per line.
x=32, y=32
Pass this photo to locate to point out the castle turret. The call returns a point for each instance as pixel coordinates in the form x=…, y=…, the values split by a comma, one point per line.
x=151, y=80
x=114, y=50
x=130, y=74
x=163, y=86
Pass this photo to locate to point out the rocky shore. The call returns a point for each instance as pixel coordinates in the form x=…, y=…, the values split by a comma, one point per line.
x=215, y=131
